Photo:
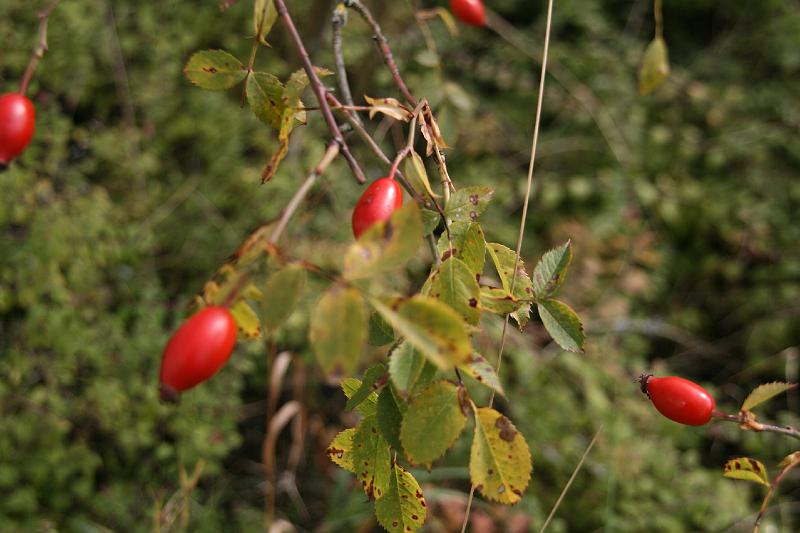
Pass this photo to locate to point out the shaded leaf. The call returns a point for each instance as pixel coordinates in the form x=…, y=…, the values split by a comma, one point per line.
x=215, y=70
x=430, y=221
x=390, y=417
x=467, y=204
x=466, y=243
x=551, y=270
x=385, y=245
x=432, y=423
x=264, y=17
x=654, y=70
x=388, y=106
x=338, y=330
x=380, y=331
x=563, y=324
x=747, y=469
x=432, y=327
x=282, y=292
x=454, y=284
x=765, y=392
x=246, y=319
x=500, y=463
x=409, y=370
x=340, y=450
x=414, y=171
x=265, y=96
x=483, y=372
x=371, y=377
x=403, y=508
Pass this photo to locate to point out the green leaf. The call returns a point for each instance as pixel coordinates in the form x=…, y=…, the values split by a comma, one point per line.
x=366, y=408
x=496, y=300
x=409, y=369
x=282, y=291
x=747, y=469
x=338, y=330
x=371, y=458
x=380, y=331
x=403, y=508
x=467, y=204
x=454, y=284
x=246, y=319
x=390, y=416
x=505, y=259
x=432, y=423
x=500, y=463
x=466, y=243
x=563, y=324
x=483, y=372
x=264, y=17
x=371, y=377
x=765, y=392
x=432, y=327
x=215, y=70
x=430, y=221
x=654, y=70
x=265, y=96
x=551, y=270
x=417, y=176
x=340, y=450
x=385, y=245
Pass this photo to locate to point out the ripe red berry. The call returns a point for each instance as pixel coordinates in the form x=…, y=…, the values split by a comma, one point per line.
x=679, y=399
x=17, y=118
x=470, y=12
x=199, y=348
x=377, y=204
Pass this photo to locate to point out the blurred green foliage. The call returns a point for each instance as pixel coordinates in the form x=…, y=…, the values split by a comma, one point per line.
x=682, y=207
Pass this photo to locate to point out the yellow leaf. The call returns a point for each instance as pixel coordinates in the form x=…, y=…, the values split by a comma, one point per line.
x=748, y=469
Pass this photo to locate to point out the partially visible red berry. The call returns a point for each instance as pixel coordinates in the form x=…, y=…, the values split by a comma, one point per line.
x=377, y=204
x=17, y=120
x=199, y=348
x=679, y=399
x=470, y=12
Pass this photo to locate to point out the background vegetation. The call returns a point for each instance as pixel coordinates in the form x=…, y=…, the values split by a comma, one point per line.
x=682, y=207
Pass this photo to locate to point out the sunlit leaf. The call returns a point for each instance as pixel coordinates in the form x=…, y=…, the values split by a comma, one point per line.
x=215, y=70
x=388, y=106
x=246, y=319
x=747, y=469
x=338, y=330
x=500, y=463
x=365, y=408
x=432, y=327
x=454, y=284
x=340, y=450
x=551, y=270
x=765, y=392
x=403, y=508
x=654, y=70
x=505, y=260
x=371, y=378
x=281, y=293
x=409, y=370
x=466, y=243
x=483, y=372
x=563, y=324
x=431, y=424
x=467, y=204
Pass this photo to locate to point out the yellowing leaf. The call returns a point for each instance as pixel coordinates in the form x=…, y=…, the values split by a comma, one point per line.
x=414, y=170
x=483, y=372
x=454, y=284
x=340, y=450
x=747, y=469
x=264, y=17
x=403, y=508
x=371, y=458
x=466, y=243
x=215, y=70
x=500, y=463
x=371, y=377
x=519, y=286
x=265, y=96
x=789, y=460
x=432, y=423
x=388, y=106
x=765, y=392
x=655, y=66
x=338, y=330
x=282, y=291
x=365, y=408
x=246, y=319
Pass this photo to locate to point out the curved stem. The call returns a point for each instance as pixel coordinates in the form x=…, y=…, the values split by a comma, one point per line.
x=39, y=50
x=748, y=423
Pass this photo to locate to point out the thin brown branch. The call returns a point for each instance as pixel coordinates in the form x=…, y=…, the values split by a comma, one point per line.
x=319, y=90
x=747, y=422
x=40, y=49
x=772, y=489
x=659, y=18
x=383, y=46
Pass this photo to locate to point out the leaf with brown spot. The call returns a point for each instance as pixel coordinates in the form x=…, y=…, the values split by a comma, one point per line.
x=403, y=508
x=747, y=469
x=215, y=70
x=340, y=450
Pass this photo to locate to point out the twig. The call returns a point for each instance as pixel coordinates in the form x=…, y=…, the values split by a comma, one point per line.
x=383, y=45
x=747, y=422
x=40, y=49
x=319, y=90
x=772, y=488
x=338, y=21
x=659, y=19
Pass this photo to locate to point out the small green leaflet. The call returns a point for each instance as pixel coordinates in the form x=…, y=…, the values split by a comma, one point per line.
x=385, y=245
x=246, y=319
x=655, y=66
x=467, y=204
x=390, y=416
x=365, y=408
x=483, y=372
x=264, y=17
x=338, y=330
x=551, y=270
x=403, y=508
x=454, y=284
x=380, y=331
x=500, y=463
x=563, y=324
x=283, y=290
x=368, y=386
x=340, y=450
x=215, y=70
x=432, y=423
x=748, y=469
x=409, y=369
x=765, y=392
x=468, y=245
x=519, y=286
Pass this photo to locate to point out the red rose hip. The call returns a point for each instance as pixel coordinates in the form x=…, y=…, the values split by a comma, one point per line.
x=17, y=118
x=679, y=399
x=377, y=204
x=199, y=348
x=470, y=12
